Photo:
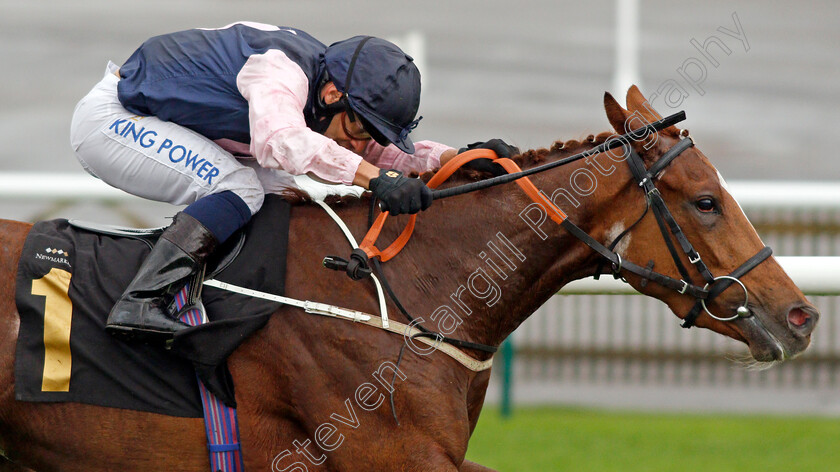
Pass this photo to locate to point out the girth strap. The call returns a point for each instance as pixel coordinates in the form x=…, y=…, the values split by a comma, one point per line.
x=221, y=423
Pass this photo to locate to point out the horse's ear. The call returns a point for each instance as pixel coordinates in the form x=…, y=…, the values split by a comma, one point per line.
x=638, y=105
x=615, y=113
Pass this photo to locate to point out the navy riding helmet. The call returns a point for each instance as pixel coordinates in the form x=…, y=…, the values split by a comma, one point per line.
x=381, y=86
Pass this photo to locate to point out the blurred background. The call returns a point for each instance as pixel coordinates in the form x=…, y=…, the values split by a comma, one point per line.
x=757, y=79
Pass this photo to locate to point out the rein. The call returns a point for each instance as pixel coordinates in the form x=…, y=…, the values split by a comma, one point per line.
x=645, y=178
x=368, y=243
x=612, y=143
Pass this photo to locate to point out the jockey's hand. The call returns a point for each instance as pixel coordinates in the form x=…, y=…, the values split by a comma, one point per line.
x=400, y=194
x=501, y=148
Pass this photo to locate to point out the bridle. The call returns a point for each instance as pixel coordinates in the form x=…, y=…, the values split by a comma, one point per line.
x=358, y=265
x=668, y=226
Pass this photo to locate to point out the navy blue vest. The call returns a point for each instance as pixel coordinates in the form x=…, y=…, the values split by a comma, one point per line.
x=189, y=77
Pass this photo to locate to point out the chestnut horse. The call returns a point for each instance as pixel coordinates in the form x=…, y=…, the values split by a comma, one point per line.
x=306, y=386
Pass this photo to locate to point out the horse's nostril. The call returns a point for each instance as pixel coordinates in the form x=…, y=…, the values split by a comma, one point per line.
x=799, y=318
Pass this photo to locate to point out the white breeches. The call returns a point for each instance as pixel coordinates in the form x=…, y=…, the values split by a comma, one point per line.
x=150, y=158
x=163, y=161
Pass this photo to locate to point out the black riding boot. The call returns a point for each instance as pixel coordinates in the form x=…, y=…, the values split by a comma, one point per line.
x=143, y=311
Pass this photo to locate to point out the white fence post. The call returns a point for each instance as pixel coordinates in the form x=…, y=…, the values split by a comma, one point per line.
x=413, y=43
x=626, y=46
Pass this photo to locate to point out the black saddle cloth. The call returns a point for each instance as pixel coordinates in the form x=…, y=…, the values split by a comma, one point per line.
x=108, y=372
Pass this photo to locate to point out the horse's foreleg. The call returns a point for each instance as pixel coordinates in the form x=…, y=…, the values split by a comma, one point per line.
x=468, y=466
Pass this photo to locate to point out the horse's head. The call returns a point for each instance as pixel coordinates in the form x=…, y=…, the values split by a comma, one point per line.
x=777, y=321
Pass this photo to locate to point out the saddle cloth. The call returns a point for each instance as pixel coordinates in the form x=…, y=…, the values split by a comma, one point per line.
x=69, y=278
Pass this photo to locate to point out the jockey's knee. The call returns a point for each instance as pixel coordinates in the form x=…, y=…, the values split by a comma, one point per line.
x=221, y=213
x=244, y=183
x=231, y=205
x=253, y=198
x=250, y=189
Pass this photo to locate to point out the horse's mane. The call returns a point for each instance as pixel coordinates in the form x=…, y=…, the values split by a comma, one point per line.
x=531, y=158
x=525, y=160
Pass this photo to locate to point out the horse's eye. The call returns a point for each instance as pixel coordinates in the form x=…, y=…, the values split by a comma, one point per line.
x=706, y=205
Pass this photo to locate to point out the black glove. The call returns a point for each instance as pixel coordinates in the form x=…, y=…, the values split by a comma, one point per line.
x=400, y=194
x=501, y=148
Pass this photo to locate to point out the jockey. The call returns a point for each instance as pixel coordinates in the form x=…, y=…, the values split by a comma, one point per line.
x=209, y=117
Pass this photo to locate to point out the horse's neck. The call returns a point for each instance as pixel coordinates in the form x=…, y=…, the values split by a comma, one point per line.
x=481, y=267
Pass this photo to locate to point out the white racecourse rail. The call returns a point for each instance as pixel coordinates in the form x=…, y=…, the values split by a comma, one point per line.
x=814, y=275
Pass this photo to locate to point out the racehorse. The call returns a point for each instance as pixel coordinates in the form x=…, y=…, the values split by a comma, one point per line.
x=476, y=267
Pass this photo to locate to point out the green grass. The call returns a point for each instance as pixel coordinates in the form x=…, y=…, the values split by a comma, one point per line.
x=554, y=439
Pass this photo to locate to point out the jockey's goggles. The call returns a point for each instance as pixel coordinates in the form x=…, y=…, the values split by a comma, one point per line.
x=360, y=134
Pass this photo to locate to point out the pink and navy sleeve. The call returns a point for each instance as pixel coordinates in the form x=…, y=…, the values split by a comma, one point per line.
x=426, y=156
x=276, y=90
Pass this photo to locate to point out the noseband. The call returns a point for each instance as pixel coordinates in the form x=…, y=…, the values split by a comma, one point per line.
x=668, y=226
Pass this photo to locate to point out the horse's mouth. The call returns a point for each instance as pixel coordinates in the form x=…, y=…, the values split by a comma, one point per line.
x=764, y=344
